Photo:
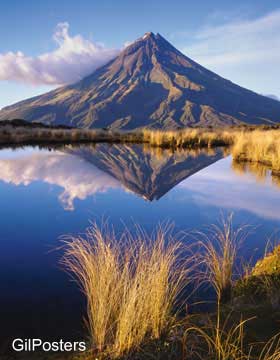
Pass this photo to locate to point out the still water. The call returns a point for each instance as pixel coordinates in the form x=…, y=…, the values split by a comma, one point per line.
x=46, y=193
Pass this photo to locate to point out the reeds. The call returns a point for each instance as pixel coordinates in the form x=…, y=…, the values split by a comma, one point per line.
x=131, y=284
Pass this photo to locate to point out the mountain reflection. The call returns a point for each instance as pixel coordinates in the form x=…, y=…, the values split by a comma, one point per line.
x=148, y=172
x=87, y=170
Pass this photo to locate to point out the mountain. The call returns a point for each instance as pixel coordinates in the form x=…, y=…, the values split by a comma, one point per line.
x=145, y=171
x=150, y=83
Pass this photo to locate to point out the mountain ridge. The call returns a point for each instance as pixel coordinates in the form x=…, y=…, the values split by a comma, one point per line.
x=149, y=84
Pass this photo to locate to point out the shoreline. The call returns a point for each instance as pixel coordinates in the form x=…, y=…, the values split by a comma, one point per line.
x=256, y=144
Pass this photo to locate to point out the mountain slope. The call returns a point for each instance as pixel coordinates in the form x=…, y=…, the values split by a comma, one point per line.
x=150, y=84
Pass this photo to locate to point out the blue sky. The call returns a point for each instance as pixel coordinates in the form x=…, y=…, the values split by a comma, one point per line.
x=44, y=44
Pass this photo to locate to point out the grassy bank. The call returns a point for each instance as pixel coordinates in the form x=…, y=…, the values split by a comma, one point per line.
x=258, y=146
x=135, y=285
x=254, y=144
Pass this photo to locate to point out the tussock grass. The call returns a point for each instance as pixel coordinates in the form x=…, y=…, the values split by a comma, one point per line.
x=218, y=255
x=131, y=284
x=189, y=137
x=22, y=135
x=255, y=144
x=258, y=146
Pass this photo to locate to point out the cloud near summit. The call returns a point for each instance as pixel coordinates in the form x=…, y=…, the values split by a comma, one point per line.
x=73, y=59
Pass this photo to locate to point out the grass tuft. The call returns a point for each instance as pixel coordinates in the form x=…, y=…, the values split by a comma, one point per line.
x=131, y=284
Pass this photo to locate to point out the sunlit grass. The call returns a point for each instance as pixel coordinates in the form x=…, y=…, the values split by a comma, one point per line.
x=218, y=254
x=131, y=284
x=189, y=137
x=258, y=146
x=255, y=144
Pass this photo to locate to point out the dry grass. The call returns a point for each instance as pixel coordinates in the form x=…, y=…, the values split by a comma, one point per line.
x=219, y=342
x=226, y=340
x=248, y=143
x=131, y=284
x=21, y=135
x=218, y=255
x=255, y=145
x=189, y=137
x=271, y=350
x=258, y=146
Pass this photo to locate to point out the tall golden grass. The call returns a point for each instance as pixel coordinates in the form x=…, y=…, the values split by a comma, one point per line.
x=198, y=137
x=258, y=146
x=248, y=143
x=131, y=284
x=253, y=145
x=218, y=255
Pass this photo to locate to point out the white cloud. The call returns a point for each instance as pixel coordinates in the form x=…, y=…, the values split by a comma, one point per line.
x=239, y=41
x=245, y=51
x=56, y=168
x=218, y=185
x=74, y=58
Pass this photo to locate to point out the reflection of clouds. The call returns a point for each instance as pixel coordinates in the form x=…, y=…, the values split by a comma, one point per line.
x=218, y=185
x=77, y=177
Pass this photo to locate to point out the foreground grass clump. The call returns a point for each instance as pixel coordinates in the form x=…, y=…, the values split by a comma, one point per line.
x=229, y=333
x=131, y=284
x=220, y=338
x=134, y=283
x=219, y=249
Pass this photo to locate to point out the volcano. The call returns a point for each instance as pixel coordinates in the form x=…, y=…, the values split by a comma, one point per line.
x=149, y=84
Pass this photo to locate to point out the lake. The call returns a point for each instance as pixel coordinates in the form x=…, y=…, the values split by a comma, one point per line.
x=46, y=193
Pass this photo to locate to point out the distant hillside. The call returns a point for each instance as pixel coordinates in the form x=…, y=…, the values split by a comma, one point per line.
x=149, y=84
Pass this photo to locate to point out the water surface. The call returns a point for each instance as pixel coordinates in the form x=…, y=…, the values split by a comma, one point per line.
x=46, y=193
